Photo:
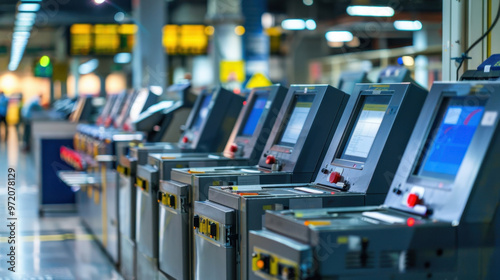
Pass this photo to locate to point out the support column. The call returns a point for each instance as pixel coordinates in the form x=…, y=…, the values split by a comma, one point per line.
x=464, y=21
x=149, y=57
x=61, y=58
x=226, y=45
x=256, y=42
x=74, y=64
x=453, y=36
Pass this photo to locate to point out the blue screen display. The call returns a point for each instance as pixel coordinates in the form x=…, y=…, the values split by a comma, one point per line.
x=202, y=112
x=254, y=117
x=450, y=138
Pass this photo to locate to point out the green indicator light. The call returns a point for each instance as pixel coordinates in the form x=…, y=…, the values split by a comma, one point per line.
x=44, y=61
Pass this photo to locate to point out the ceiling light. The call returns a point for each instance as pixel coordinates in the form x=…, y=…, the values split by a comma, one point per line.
x=408, y=61
x=239, y=30
x=28, y=7
x=408, y=25
x=267, y=20
x=308, y=2
x=122, y=58
x=21, y=34
x=88, y=67
x=338, y=36
x=18, y=28
x=310, y=24
x=25, y=16
x=370, y=11
x=22, y=22
x=98, y=2
x=119, y=17
x=293, y=24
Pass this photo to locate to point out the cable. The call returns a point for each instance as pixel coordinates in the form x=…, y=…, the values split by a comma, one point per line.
x=465, y=54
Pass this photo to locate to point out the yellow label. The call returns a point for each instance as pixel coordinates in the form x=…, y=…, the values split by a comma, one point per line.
x=375, y=107
x=216, y=183
x=267, y=207
x=342, y=239
x=379, y=86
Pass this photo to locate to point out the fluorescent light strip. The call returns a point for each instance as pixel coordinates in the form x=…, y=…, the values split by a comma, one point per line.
x=28, y=7
x=339, y=36
x=293, y=24
x=370, y=11
x=408, y=25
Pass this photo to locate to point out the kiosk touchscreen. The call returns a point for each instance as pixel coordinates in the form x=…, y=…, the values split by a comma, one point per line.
x=439, y=218
x=162, y=120
x=348, y=80
x=106, y=111
x=371, y=137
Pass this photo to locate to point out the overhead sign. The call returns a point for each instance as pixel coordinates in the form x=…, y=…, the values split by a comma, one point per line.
x=110, y=39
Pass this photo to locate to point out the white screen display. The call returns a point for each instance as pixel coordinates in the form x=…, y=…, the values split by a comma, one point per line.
x=366, y=127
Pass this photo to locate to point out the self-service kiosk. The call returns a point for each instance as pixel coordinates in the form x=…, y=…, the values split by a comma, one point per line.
x=357, y=170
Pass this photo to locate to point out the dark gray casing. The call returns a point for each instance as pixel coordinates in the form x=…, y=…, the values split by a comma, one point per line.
x=452, y=232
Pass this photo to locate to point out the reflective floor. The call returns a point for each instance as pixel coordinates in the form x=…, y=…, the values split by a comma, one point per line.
x=55, y=246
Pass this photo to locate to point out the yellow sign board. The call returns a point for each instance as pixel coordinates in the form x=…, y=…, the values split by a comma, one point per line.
x=232, y=71
x=258, y=80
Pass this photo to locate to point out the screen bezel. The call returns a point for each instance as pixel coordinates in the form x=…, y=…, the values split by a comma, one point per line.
x=289, y=111
x=441, y=183
x=358, y=164
x=198, y=110
x=258, y=94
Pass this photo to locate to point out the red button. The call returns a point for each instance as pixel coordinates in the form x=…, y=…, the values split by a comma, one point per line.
x=185, y=139
x=334, y=177
x=270, y=159
x=412, y=199
x=233, y=148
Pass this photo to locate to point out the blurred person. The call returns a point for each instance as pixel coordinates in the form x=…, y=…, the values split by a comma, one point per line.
x=33, y=105
x=4, y=103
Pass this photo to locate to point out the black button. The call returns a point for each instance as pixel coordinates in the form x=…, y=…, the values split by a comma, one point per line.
x=267, y=261
x=196, y=221
x=213, y=229
x=171, y=198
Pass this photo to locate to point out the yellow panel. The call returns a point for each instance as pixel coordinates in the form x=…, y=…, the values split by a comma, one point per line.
x=81, y=29
x=127, y=29
x=106, y=29
x=232, y=71
x=193, y=39
x=171, y=38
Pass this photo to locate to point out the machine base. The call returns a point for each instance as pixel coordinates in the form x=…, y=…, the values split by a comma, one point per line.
x=147, y=268
x=128, y=258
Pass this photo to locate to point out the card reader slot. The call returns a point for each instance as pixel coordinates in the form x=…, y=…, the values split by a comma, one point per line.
x=384, y=217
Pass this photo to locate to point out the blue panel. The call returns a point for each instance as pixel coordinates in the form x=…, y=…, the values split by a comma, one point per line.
x=54, y=191
x=450, y=139
x=253, y=118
